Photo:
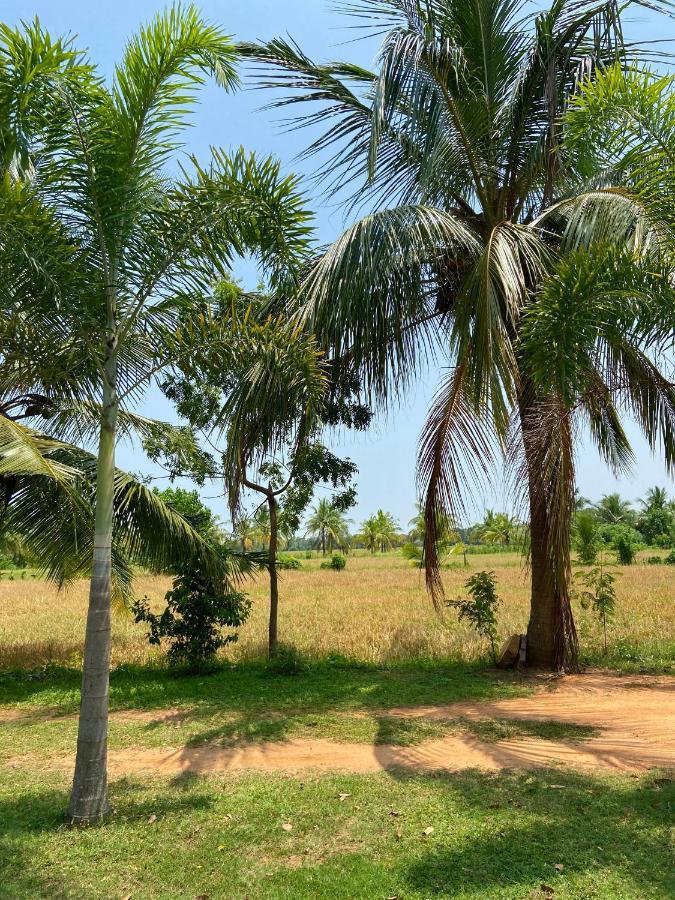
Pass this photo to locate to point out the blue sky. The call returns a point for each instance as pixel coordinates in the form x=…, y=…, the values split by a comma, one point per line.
x=386, y=454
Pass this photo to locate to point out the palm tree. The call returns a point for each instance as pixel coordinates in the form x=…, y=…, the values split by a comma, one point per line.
x=655, y=499
x=458, y=146
x=261, y=518
x=327, y=525
x=498, y=528
x=612, y=510
x=244, y=531
x=370, y=534
x=379, y=531
x=140, y=243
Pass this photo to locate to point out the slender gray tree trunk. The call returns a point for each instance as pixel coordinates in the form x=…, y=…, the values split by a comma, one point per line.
x=89, y=797
x=273, y=644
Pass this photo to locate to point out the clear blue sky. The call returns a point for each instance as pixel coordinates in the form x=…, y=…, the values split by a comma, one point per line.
x=386, y=455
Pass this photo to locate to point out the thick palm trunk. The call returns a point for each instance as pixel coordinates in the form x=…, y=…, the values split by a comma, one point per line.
x=273, y=642
x=551, y=635
x=89, y=798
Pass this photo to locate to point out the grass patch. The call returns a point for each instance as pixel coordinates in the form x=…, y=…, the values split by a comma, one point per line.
x=495, y=837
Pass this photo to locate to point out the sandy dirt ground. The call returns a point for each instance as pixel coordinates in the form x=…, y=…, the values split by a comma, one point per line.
x=634, y=715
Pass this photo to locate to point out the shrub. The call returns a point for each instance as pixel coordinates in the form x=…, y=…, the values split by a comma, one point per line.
x=286, y=561
x=625, y=549
x=670, y=559
x=309, y=554
x=336, y=562
x=654, y=560
x=480, y=608
x=286, y=661
x=196, y=612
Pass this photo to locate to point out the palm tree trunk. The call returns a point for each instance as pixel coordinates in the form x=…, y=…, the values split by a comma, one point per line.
x=273, y=644
x=89, y=797
x=551, y=634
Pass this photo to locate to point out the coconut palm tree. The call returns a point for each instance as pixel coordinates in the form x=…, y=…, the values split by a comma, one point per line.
x=655, y=499
x=244, y=531
x=498, y=528
x=327, y=525
x=370, y=534
x=457, y=147
x=140, y=243
x=613, y=510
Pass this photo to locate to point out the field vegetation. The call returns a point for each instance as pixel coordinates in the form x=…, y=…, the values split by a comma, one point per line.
x=376, y=611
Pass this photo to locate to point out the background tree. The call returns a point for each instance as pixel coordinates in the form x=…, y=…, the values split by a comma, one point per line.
x=457, y=143
x=613, y=510
x=328, y=526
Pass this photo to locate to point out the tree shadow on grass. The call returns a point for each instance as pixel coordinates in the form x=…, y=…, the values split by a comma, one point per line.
x=331, y=684
x=532, y=840
x=27, y=871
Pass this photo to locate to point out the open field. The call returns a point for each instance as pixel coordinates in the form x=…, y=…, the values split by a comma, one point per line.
x=376, y=611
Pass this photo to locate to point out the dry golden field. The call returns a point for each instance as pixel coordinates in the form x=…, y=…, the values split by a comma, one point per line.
x=374, y=611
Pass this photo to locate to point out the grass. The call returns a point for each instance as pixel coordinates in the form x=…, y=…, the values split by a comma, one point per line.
x=376, y=611
x=506, y=837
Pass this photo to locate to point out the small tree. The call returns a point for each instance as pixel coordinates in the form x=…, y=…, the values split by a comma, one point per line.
x=269, y=397
x=600, y=593
x=480, y=608
x=197, y=610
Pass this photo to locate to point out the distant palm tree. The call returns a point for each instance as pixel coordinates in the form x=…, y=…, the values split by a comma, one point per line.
x=379, y=531
x=612, y=510
x=498, y=528
x=244, y=530
x=262, y=526
x=656, y=498
x=328, y=526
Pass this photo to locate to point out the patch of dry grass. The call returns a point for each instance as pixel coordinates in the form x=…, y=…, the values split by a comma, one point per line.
x=376, y=611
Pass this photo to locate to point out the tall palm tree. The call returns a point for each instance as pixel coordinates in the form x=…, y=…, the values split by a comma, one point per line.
x=141, y=243
x=458, y=147
x=327, y=525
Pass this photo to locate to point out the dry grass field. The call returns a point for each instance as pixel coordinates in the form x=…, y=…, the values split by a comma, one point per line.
x=375, y=611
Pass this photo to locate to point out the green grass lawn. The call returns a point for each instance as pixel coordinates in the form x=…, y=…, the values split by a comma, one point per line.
x=547, y=834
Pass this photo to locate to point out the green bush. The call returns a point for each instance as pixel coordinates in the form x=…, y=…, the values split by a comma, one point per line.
x=625, y=549
x=337, y=562
x=670, y=559
x=286, y=561
x=196, y=612
x=654, y=560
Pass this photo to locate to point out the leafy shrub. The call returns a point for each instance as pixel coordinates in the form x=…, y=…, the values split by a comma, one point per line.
x=309, y=554
x=286, y=561
x=625, y=549
x=412, y=552
x=670, y=559
x=480, y=608
x=286, y=661
x=336, y=562
x=196, y=612
x=654, y=560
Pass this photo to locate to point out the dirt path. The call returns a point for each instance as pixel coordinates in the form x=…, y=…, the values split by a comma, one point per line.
x=635, y=715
